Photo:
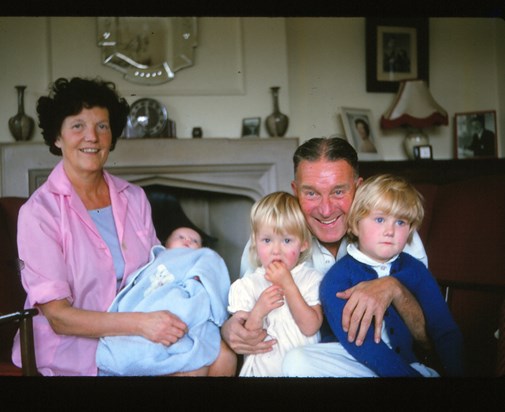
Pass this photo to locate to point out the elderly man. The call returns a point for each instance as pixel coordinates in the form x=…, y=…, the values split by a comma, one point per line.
x=326, y=178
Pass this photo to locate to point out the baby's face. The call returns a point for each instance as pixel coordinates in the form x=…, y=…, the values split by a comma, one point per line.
x=184, y=237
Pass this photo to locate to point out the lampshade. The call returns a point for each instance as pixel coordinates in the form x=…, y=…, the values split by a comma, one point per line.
x=414, y=106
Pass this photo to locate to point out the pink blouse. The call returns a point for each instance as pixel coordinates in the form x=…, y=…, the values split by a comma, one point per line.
x=66, y=258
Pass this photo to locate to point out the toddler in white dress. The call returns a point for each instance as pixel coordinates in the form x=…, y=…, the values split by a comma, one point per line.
x=282, y=294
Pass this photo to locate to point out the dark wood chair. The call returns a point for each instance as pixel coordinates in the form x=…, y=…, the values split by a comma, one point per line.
x=12, y=296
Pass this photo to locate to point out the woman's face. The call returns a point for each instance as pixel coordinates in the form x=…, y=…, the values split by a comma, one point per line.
x=360, y=127
x=85, y=141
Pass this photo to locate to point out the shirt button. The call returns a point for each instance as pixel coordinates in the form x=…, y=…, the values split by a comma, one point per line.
x=397, y=349
x=391, y=331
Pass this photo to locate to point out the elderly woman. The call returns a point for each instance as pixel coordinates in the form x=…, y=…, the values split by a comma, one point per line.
x=82, y=233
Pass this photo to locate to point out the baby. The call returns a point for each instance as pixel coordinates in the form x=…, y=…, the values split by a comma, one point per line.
x=188, y=280
x=184, y=237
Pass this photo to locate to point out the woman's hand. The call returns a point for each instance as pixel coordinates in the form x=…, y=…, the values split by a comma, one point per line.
x=163, y=327
x=160, y=327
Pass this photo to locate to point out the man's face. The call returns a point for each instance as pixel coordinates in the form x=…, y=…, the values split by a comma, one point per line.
x=476, y=126
x=325, y=190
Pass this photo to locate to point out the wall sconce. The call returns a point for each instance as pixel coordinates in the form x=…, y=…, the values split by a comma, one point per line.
x=414, y=108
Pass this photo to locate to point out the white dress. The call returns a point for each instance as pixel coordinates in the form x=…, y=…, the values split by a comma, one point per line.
x=279, y=323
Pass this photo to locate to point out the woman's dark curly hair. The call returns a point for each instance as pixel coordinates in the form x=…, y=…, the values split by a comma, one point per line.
x=69, y=97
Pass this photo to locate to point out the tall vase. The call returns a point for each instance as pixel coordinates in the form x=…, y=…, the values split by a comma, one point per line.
x=21, y=125
x=276, y=123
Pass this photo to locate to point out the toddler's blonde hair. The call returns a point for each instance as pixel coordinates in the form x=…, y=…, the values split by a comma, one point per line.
x=393, y=195
x=281, y=211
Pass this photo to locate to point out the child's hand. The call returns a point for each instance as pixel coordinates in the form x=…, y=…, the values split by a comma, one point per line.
x=271, y=298
x=278, y=274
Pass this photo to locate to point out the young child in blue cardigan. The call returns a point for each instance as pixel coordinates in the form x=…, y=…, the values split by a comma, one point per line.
x=385, y=213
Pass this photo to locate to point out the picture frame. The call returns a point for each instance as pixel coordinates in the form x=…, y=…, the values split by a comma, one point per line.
x=396, y=50
x=361, y=132
x=251, y=126
x=475, y=135
x=423, y=152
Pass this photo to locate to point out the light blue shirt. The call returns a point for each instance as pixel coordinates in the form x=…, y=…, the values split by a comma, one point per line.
x=104, y=222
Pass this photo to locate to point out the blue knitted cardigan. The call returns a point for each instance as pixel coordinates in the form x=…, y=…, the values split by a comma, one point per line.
x=395, y=362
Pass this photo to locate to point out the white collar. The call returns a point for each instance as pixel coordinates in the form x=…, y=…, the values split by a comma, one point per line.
x=357, y=254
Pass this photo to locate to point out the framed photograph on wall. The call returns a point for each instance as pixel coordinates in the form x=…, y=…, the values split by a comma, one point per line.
x=361, y=133
x=396, y=49
x=251, y=126
x=475, y=135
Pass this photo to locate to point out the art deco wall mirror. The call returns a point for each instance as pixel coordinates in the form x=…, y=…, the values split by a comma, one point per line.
x=147, y=50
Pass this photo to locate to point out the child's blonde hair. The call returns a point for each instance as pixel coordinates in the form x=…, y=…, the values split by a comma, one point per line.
x=281, y=211
x=393, y=195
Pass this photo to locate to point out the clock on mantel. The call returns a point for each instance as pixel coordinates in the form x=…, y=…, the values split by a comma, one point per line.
x=149, y=118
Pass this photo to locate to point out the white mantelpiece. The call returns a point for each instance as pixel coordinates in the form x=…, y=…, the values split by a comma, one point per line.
x=252, y=167
x=249, y=168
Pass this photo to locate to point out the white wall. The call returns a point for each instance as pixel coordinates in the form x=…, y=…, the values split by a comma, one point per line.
x=319, y=63
x=237, y=61
x=327, y=71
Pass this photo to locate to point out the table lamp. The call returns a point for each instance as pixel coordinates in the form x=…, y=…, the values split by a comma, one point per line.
x=414, y=108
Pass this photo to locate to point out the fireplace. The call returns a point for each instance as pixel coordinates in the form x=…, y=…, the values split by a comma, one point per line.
x=216, y=180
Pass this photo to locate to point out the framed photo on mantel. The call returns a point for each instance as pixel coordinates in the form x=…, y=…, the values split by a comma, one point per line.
x=396, y=50
x=251, y=126
x=360, y=132
x=475, y=135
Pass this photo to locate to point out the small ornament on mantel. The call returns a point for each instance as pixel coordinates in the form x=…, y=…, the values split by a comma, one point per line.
x=277, y=123
x=197, y=132
x=21, y=125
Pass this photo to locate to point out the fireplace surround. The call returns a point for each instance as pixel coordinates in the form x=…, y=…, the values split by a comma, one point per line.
x=216, y=180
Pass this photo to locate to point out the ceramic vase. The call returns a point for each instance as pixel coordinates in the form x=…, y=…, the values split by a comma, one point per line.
x=21, y=125
x=276, y=123
x=414, y=137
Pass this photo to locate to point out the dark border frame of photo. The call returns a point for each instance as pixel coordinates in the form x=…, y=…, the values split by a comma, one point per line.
x=372, y=24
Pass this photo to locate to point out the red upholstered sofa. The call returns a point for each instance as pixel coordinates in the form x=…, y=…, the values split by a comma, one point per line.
x=463, y=232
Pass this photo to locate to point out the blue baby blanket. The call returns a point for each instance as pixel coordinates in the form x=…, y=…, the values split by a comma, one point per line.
x=191, y=283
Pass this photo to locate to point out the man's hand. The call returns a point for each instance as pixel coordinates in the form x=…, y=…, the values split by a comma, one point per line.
x=366, y=301
x=243, y=341
x=370, y=300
